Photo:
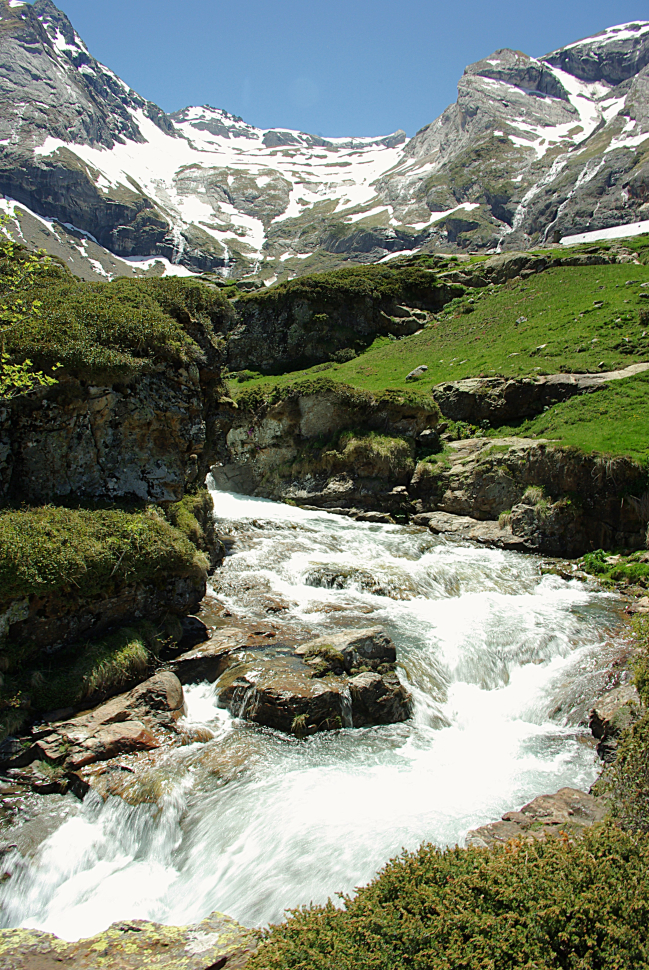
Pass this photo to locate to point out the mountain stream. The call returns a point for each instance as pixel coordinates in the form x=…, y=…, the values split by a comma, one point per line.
x=502, y=662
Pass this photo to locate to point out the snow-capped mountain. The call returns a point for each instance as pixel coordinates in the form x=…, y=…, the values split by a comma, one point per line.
x=533, y=150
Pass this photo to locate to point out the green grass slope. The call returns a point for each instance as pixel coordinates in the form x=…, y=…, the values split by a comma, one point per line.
x=568, y=319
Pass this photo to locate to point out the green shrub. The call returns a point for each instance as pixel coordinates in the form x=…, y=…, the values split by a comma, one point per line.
x=554, y=904
x=118, y=327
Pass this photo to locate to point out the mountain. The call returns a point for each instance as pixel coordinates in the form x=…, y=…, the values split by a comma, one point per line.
x=533, y=150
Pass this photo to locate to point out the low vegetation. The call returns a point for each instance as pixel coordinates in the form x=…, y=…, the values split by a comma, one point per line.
x=82, y=673
x=88, y=552
x=114, y=329
x=572, y=319
x=552, y=904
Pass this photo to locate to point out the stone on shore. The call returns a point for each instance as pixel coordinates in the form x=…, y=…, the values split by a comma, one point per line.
x=569, y=811
x=127, y=723
x=614, y=713
x=216, y=943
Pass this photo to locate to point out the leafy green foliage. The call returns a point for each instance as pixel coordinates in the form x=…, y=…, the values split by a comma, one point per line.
x=541, y=905
x=18, y=271
x=78, y=551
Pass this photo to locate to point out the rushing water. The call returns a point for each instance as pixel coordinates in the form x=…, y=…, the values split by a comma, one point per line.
x=501, y=662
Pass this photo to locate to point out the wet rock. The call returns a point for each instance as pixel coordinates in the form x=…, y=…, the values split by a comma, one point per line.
x=356, y=647
x=569, y=810
x=129, y=722
x=214, y=943
x=345, y=680
x=487, y=533
x=614, y=713
x=382, y=518
x=209, y=660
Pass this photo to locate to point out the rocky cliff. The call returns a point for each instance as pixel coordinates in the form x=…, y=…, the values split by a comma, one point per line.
x=533, y=150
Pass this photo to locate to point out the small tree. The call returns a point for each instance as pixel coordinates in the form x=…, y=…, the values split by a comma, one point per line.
x=17, y=378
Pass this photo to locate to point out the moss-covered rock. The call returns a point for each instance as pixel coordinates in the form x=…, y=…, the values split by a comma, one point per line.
x=216, y=942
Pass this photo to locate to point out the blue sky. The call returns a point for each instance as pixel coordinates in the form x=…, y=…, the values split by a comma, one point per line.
x=340, y=67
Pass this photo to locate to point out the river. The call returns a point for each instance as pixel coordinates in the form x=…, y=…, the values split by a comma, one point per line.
x=502, y=663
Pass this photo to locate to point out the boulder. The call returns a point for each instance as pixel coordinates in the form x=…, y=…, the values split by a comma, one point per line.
x=569, y=810
x=345, y=680
x=417, y=373
x=208, y=660
x=356, y=647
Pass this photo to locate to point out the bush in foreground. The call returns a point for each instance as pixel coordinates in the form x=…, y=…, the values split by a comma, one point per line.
x=553, y=904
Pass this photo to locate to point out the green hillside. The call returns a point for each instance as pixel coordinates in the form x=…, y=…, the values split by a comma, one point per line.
x=568, y=319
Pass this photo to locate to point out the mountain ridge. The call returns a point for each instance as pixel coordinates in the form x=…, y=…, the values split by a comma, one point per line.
x=534, y=149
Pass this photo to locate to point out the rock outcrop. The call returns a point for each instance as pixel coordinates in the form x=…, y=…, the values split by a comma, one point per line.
x=136, y=721
x=568, y=812
x=346, y=680
x=561, y=502
x=215, y=943
x=291, y=450
x=146, y=438
x=499, y=400
x=614, y=713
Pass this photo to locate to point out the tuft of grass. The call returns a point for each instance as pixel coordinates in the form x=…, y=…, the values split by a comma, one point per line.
x=534, y=494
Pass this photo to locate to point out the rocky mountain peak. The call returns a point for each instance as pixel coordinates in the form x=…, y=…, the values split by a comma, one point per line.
x=522, y=71
x=533, y=150
x=612, y=56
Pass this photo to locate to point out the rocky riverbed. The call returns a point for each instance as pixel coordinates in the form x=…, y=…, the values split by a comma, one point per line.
x=198, y=808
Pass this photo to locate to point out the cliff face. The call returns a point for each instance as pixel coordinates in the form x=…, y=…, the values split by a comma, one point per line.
x=147, y=438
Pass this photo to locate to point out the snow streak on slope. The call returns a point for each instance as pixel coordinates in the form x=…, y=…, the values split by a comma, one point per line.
x=315, y=174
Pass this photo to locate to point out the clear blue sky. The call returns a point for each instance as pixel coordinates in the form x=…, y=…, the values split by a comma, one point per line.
x=340, y=67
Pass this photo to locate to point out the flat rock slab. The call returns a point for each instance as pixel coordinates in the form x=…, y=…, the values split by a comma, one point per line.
x=569, y=811
x=214, y=943
x=488, y=532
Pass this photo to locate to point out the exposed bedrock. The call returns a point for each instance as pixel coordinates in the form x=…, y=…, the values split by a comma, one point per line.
x=500, y=400
x=560, y=501
x=293, y=449
x=569, y=811
x=145, y=438
x=286, y=329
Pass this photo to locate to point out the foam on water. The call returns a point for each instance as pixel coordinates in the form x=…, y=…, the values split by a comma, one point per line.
x=253, y=821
